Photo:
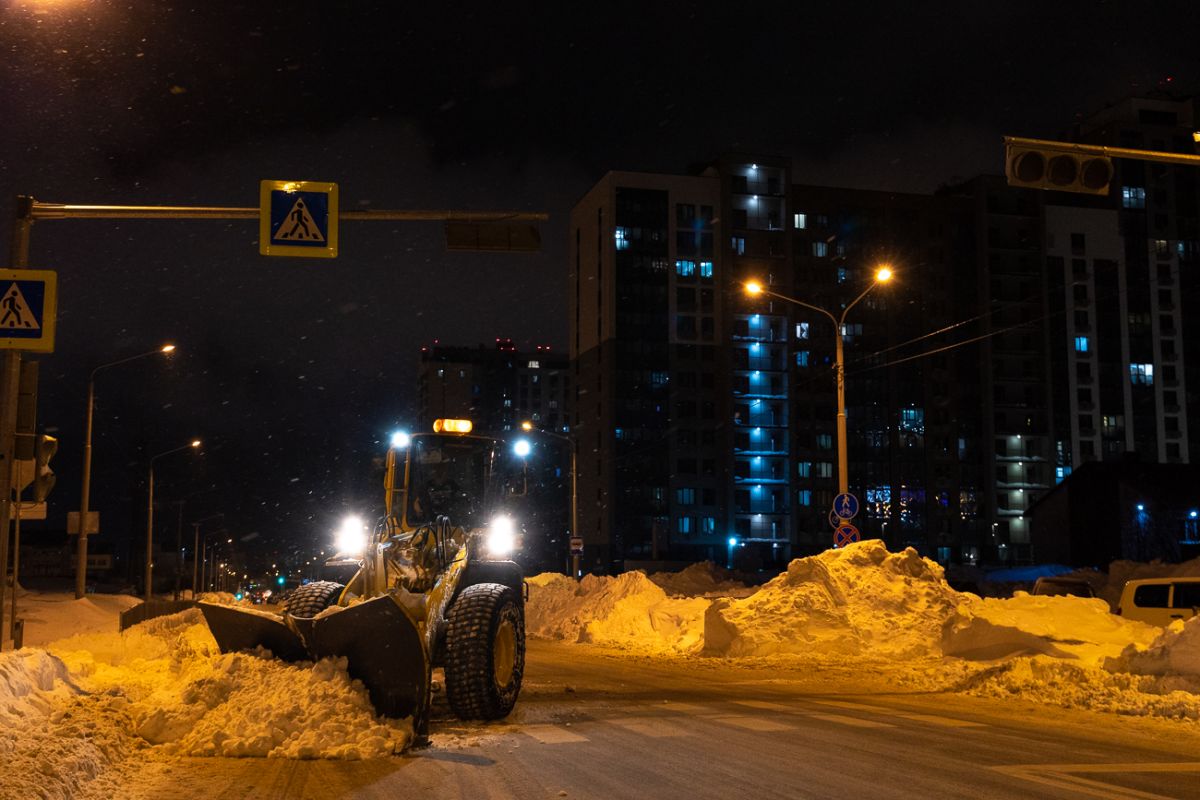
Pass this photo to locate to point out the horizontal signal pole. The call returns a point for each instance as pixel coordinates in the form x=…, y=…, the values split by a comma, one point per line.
x=50, y=211
x=1107, y=152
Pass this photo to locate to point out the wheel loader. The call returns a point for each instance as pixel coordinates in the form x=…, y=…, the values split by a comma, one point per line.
x=435, y=586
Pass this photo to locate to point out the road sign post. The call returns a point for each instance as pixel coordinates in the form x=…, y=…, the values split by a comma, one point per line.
x=576, y=553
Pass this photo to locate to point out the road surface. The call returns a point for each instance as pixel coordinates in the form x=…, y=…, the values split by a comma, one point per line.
x=591, y=724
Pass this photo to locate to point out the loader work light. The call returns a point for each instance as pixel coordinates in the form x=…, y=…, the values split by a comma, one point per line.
x=351, y=537
x=452, y=426
x=501, y=536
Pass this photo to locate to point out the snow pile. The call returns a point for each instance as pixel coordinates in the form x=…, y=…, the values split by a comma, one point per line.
x=858, y=600
x=184, y=694
x=627, y=611
x=1175, y=651
x=1080, y=628
x=705, y=579
x=53, y=615
x=72, y=715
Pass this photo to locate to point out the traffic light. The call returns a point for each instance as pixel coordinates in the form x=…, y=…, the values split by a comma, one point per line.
x=43, y=477
x=1059, y=166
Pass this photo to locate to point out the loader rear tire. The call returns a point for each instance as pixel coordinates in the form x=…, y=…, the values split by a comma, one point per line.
x=312, y=598
x=485, y=652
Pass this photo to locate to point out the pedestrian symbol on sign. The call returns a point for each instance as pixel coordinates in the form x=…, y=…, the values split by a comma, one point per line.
x=15, y=311
x=299, y=225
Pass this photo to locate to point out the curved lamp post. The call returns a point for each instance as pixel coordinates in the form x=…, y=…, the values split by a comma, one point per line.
x=195, y=443
x=882, y=275
x=85, y=494
x=528, y=426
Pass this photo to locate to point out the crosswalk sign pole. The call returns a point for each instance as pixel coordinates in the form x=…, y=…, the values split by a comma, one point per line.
x=10, y=380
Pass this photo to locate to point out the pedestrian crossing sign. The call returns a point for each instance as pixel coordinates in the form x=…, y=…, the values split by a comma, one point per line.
x=298, y=218
x=28, y=305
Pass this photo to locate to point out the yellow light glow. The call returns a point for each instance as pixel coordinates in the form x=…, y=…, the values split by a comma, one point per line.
x=195, y=442
x=452, y=426
x=526, y=425
x=753, y=287
x=168, y=348
x=884, y=274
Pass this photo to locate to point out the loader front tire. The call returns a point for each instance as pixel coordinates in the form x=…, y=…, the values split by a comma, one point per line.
x=313, y=598
x=485, y=652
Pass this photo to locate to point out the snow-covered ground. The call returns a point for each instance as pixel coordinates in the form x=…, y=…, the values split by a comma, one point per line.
x=82, y=706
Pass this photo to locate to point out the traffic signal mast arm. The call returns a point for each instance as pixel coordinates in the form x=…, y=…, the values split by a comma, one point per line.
x=1101, y=150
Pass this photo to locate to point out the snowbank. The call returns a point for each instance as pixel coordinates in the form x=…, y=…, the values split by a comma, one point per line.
x=71, y=714
x=627, y=611
x=53, y=615
x=705, y=579
x=1079, y=628
x=857, y=600
x=1175, y=651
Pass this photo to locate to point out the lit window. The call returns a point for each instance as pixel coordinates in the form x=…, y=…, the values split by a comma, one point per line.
x=1133, y=197
x=685, y=268
x=801, y=330
x=1142, y=374
x=659, y=378
x=706, y=269
x=685, y=497
x=739, y=245
x=842, y=274
x=800, y=221
x=804, y=469
x=1081, y=344
x=804, y=497
x=708, y=525
x=620, y=236
x=820, y=249
x=684, y=525
x=823, y=469
x=535, y=365
x=825, y=441
x=801, y=358
x=1060, y=473
x=619, y=433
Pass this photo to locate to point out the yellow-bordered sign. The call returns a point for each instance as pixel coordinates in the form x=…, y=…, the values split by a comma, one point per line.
x=298, y=218
x=28, y=309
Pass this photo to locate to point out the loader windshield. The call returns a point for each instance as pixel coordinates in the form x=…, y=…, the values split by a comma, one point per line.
x=448, y=475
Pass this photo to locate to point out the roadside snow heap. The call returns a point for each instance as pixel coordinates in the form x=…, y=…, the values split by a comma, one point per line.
x=72, y=712
x=863, y=602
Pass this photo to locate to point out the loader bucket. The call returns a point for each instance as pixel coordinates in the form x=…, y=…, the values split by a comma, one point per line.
x=237, y=629
x=384, y=649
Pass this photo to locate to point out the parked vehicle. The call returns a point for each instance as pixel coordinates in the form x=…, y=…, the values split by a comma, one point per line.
x=1160, y=601
x=1059, y=585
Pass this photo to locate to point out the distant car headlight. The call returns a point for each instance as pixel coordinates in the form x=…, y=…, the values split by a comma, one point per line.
x=501, y=536
x=351, y=539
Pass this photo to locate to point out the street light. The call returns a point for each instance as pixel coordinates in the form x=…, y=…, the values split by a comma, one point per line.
x=86, y=489
x=882, y=275
x=529, y=427
x=196, y=554
x=150, y=514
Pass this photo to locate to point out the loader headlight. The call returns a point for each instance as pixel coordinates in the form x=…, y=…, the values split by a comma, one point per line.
x=501, y=536
x=351, y=538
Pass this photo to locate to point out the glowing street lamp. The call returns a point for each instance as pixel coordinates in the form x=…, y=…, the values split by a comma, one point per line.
x=882, y=275
x=85, y=493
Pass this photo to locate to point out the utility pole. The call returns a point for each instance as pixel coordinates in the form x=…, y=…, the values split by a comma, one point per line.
x=10, y=379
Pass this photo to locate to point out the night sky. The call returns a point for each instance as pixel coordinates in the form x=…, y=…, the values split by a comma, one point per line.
x=294, y=371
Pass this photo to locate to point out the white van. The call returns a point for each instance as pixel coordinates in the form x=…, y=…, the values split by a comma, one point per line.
x=1160, y=601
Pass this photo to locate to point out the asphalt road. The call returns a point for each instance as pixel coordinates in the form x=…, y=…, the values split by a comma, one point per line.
x=594, y=725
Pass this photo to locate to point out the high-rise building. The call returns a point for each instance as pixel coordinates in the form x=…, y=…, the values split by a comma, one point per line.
x=1026, y=333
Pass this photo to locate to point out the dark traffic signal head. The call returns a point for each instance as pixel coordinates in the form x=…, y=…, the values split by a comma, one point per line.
x=43, y=477
x=1060, y=167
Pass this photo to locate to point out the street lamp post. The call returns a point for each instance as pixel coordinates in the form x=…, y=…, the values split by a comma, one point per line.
x=196, y=553
x=86, y=489
x=150, y=514
x=882, y=275
x=528, y=426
